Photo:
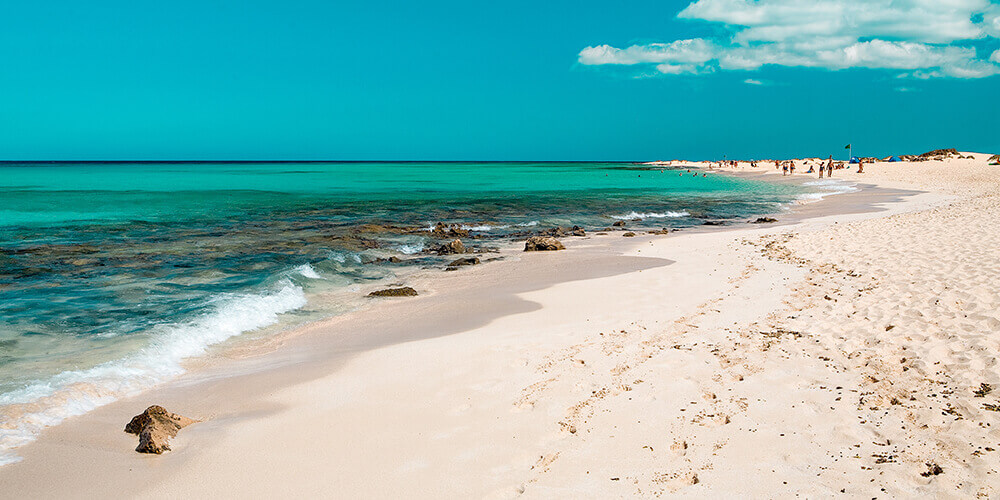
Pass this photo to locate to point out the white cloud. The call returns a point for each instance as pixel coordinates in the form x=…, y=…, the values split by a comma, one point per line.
x=693, y=51
x=751, y=81
x=991, y=21
x=923, y=37
x=926, y=21
x=996, y=57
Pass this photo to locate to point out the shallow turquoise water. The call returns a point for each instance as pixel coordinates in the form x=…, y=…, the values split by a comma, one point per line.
x=111, y=274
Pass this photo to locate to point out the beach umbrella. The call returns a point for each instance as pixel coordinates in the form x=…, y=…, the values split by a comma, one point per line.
x=894, y=159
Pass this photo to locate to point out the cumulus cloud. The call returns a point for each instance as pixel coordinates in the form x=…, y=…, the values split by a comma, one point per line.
x=693, y=51
x=922, y=37
x=996, y=57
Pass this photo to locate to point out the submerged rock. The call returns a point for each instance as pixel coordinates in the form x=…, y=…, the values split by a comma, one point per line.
x=442, y=230
x=619, y=223
x=542, y=243
x=394, y=292
x=155, y=427
x=352, y=242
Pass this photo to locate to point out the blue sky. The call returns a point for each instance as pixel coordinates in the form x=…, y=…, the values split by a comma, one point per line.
x=496, y=80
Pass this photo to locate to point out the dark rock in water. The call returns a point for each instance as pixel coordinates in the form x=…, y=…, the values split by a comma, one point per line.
x=355, y=243
x=542, y=243
x=394, y=292
x=713, y=223
x=442, y=230
x=629, y=234
x=155, y=427
x=559, y=231
x=764, y=220
x=619, y=223
x=371, y=228
x=384, y=260
x=465, y=261
x=384, y=228
x=451, y=248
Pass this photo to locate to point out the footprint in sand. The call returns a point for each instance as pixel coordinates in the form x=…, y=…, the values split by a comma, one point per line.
x=679, y=448
x=673, y=481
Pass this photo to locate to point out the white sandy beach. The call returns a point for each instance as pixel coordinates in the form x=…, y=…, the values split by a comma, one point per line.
x=837, y=351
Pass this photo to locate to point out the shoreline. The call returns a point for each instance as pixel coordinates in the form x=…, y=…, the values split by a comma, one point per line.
x=82, y=398
x=479, y=298
x=79, y=388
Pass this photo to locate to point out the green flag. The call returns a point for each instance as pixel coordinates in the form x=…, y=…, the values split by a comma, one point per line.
x=847, y=146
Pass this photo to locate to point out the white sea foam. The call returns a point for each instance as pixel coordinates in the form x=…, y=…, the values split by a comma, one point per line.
x=487, y=227
x=483, y=227
x=826, y=188
x=344, y=257
x=410, y=248
x=650, y=215
x=308, y=271
x=44, y=403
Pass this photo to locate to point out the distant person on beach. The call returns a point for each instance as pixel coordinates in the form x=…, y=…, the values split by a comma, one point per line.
x=829, y=168
x=784, y=168
x=791, y=167
x=861, y=166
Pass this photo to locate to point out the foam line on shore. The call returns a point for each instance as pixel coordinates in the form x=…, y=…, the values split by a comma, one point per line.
x=48, y=402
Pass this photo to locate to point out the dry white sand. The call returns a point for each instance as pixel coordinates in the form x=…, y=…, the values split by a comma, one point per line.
x=839, y=354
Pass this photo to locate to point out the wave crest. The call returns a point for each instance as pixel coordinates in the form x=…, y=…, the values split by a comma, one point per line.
x=44, y=403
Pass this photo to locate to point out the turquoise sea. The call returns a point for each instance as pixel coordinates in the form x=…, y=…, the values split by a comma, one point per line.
x=112, y=274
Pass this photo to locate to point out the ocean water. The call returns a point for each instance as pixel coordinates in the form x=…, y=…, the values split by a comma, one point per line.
x=113, y=274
